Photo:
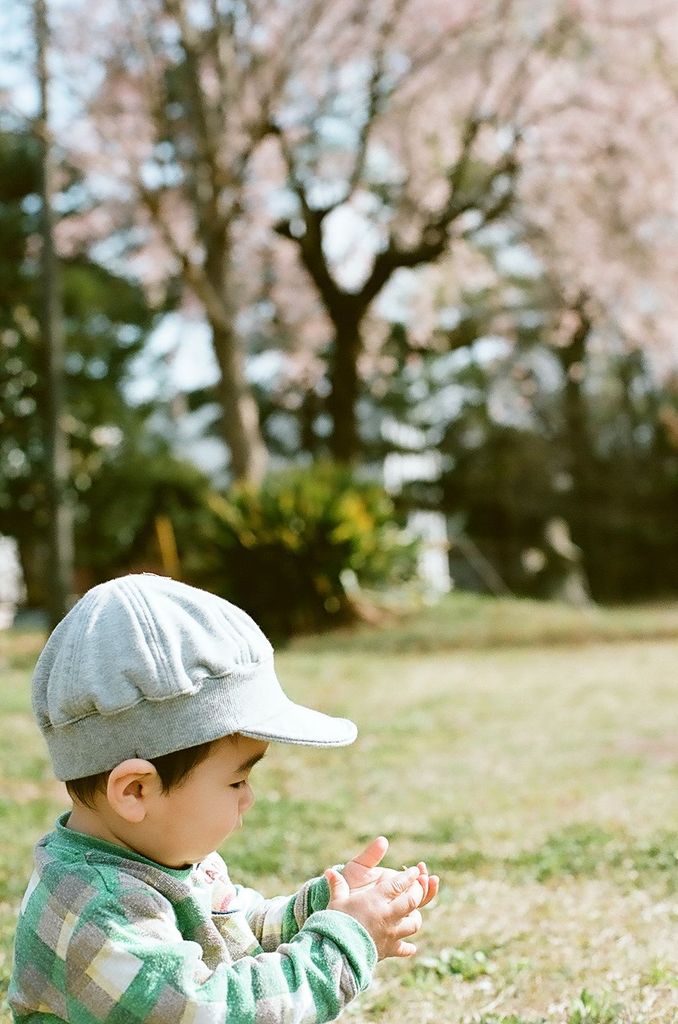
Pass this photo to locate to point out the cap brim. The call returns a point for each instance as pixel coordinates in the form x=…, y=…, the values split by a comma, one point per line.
x=294, y=723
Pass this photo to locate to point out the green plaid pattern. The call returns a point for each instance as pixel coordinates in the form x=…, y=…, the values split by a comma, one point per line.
x=106, y=935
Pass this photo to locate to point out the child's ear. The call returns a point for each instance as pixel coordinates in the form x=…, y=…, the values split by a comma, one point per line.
x=130, y=785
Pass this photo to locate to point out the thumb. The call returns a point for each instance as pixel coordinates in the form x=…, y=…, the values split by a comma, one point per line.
x=373, y=853
x=339, y=889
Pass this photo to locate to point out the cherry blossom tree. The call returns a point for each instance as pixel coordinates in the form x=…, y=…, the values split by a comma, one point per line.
x=182, y=103
x=598, y=197
x=432, y=126
x=399, y=145
x=597, y=210
x=190, y=92
x=291, y=163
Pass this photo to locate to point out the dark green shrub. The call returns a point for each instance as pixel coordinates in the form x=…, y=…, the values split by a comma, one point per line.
x=286, y=550
x=117, y=515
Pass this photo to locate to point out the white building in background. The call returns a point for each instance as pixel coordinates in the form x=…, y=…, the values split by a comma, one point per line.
x=434, y=566
x=431, y=527
x=11, y=581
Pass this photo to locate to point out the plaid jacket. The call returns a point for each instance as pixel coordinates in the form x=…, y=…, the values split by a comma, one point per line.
x=106, y=935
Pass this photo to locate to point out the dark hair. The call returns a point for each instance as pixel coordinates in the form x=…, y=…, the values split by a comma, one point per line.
x=172, y=768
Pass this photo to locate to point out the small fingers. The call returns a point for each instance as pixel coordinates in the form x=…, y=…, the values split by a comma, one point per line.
x=408, y=925
x=337, y=885
x=400, y=882
x=430, y=884
x=423, y=879
x=432, y=892
x=403, y=948
x=407, y=901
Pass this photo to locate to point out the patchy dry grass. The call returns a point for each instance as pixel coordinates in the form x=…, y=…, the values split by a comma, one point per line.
x=464, y=620
x=539, y=778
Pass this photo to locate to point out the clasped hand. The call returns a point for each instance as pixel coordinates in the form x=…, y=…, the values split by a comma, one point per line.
x=386, y=902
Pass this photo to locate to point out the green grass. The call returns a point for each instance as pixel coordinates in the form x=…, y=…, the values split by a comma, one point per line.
x=527, y=752
x=464, y=620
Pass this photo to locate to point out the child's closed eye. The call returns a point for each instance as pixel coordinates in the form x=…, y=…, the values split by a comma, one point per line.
x=238, y=785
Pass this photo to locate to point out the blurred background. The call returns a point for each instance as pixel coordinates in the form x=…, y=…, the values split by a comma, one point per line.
x=325, y=299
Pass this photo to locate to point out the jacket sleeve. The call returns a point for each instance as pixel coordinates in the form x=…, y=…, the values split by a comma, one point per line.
x=143, y=970
x=271, y=920
x=279, y=919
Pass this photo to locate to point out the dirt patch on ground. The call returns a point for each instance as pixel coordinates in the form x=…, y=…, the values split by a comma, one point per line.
x=658, y=749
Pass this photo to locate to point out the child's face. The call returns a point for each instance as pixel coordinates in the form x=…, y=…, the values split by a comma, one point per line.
x=193, y=819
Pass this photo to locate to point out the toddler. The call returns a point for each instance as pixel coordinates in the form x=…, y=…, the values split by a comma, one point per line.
x=156, y=701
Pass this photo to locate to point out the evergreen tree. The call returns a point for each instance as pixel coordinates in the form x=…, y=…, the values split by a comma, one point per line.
x=123, y=472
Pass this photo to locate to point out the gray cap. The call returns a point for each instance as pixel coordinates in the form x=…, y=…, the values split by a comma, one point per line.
x=143, y=666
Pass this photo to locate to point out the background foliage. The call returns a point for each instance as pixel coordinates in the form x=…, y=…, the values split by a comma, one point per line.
x=402, y=238
x=288, y=551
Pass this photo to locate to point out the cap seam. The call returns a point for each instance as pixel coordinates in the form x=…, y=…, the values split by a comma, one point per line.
x=142, y=608
x=81, y=632
x=148, y=700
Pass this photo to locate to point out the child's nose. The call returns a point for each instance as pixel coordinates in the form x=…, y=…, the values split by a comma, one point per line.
x=247, y=798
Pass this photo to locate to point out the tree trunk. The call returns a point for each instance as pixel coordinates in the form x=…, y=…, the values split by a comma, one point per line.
x=60, y=590
x=578, y=437
x=342, y=402
x=33, y=559
x=239, y=411
x=576, y=414
x=240, y=415
x=311, y=407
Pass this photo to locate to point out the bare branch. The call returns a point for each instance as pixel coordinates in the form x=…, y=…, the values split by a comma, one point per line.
x=377, y=94
x=207, y=166
x=310, y=241
x=193, y=271
x=220, y=30
x=645, y=19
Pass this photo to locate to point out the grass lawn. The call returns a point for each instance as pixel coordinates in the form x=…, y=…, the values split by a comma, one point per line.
x=528, y=753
